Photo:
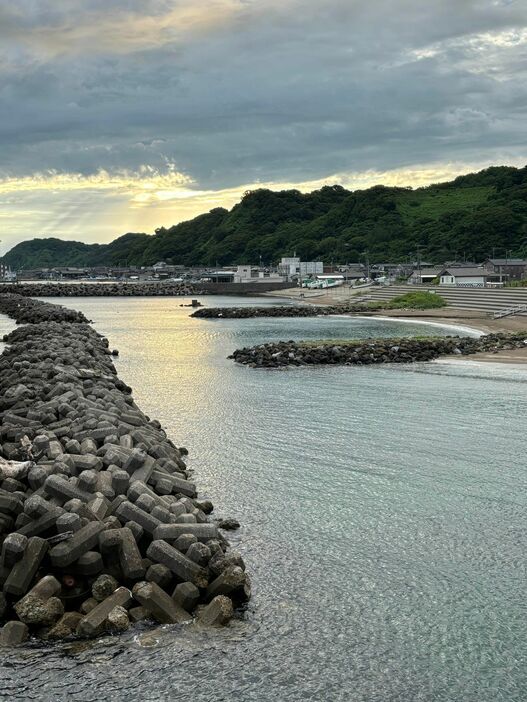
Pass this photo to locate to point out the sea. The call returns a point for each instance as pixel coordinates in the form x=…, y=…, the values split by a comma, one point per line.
x=383, y=515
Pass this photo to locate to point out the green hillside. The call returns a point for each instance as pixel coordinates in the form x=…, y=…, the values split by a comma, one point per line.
x=469, y=216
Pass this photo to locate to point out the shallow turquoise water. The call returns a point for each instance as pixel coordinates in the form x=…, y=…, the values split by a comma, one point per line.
x=383, y=515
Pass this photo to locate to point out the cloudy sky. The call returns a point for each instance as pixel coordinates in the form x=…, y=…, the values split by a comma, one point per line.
x=126, y=115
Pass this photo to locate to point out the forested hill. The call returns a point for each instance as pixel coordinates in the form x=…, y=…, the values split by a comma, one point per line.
x=471, y=215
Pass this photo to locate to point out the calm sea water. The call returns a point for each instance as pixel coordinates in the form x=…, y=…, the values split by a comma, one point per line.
x=383, y=515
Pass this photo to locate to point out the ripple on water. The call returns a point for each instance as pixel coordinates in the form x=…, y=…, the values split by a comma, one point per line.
x=383, y=523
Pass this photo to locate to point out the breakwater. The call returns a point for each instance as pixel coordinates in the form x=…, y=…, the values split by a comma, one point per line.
x=100, y=525
x=279, y=311
x=292, y=353
x=102, y=289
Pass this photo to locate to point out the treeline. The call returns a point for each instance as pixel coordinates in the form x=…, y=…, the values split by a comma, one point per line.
x=468, y=217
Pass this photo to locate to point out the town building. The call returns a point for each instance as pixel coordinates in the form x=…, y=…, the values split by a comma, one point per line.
x=510, y=268
x=424, y=276
x=293, y=266
x=468, y=277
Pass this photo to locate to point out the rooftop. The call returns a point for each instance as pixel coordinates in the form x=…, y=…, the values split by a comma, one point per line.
x=464, y=272
x=508, y=261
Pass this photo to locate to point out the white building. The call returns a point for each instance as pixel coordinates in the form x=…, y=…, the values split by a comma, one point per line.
x=465, y=277
x=311, y=268
x=294, y=266
x=248, y=274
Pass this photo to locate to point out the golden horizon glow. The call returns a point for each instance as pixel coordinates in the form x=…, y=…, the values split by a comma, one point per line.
x=100, y=207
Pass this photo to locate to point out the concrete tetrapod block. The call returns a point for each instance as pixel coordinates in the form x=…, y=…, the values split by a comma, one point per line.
x=217, y=613
x=178, y=484
x=130, y=557
x=42, y=524
x=185, y=569
x=129, y=512
x=117, y=620
x=13, y=549
x=120, y=545
x=138, y=614
x=23, y=572
x=159, y=574
x=170, y=532
x=186, y=595
x=58, y=486
x=36, y=611
x=13, y=633
x=160, y=605
x=232, y=579
x=138, y=487
x=93, y=623
x=65, y=626
x=90, y=563
x=103, y=587
x=84, y=540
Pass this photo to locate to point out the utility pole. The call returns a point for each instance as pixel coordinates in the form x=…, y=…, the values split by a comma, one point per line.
x=418, y=253
x=366, y=255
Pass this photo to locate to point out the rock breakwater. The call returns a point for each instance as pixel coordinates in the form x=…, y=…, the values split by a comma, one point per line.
x=154, y=289
x=278, y=311
x=100, y=524
x=24, y=310
x=371, y=351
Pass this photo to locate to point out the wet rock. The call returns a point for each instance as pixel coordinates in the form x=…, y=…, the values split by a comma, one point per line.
x=186, y=595
x=65, y=626
x=13, y=633
x=33, y=610
x=229, y=524
x=118, y=620
x=103, y=587
x=218, y=612
x=159, y=604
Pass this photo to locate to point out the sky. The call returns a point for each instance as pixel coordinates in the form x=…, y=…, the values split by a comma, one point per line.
x=134, y=114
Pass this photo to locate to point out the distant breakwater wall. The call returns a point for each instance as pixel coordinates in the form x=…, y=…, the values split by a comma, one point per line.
x=277, y=311
x=102, y=289
x=100, y=525
x=139, y=289
x=372, y=351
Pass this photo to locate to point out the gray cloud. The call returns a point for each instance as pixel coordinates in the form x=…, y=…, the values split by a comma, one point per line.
x=264, y=90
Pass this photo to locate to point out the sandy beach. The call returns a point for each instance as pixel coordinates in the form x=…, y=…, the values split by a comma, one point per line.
x=473, y=319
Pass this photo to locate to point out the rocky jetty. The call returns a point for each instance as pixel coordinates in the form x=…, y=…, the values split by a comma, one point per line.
x=279, y=311
x=370, y=351
x=102, y=289
x=100, y=523
x=26, y=311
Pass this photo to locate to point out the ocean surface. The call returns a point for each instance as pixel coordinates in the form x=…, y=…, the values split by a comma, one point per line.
x=383, y=512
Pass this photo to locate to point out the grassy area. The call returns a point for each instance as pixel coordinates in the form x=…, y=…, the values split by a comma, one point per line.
x=416, y=301
x=432, y=203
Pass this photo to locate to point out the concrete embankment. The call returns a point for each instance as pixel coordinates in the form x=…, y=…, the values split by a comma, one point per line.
x=100, y=525
x=372, y=351
x=277, y=311
x=161, y=289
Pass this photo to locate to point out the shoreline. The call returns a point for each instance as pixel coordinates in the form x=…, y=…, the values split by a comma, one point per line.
x=449, y=316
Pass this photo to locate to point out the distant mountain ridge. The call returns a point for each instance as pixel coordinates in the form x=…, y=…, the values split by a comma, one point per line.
x=470, y=216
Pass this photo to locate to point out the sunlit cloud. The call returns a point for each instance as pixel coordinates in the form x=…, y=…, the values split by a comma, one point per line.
x=119, y=30
x=145, y=179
